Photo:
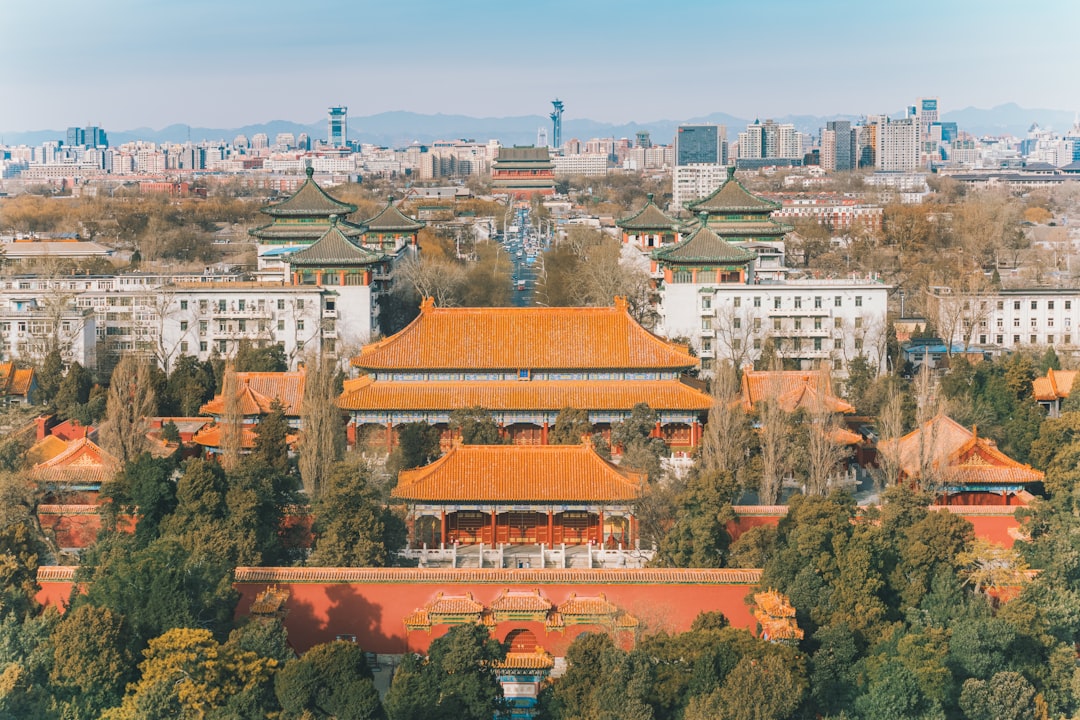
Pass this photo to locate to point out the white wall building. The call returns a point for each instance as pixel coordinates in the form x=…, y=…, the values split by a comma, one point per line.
x=808, y=321
x=693, y=182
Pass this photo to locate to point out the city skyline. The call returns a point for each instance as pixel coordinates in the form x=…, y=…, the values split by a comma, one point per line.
x=245, y=62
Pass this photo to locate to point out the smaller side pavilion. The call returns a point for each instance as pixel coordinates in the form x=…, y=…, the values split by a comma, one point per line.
x=1049, y=391
x=521, y=494
x=966, y=469
x=649, y=228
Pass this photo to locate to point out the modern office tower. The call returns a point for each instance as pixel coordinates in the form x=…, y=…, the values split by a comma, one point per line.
x=95, y=137
x=556, y=123
x=303, y=142
x=700, y=160
x=285, y=141
x=338, y=131
x=926, y=110
x=643, y=139
x=541, y=137
x=838, y=148
x=259, y=141
x=897, y=146
x=770, y=140
x=701, y=145
x=76, y=137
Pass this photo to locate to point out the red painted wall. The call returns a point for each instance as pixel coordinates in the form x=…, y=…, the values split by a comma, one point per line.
x=742, y=523
x=375, y=612
x=994, y=528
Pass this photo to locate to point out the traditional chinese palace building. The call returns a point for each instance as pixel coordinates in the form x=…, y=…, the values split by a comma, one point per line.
x=524, y=365
x=304, y=217
x=649, y=228
x=515, y=494
x=970, y=470
x=523, y=171
x=255, y=395
x=1049, y=391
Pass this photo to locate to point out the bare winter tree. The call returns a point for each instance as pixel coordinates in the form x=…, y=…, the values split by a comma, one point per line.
x=435, y=278
x=776, y=444
x=727, y=434
x=130, y=402
x=736, y=329
x=824, y=450
x=322, y=442
x=232, y=430
x=928, y=407
x=890, y=428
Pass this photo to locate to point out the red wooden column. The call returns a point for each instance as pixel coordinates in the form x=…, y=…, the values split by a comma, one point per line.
x=442, y=527
x=389, y=437
x=600, y=527
x=544, y=434
x=631, y=531
x=551, y=527
x=494, y=516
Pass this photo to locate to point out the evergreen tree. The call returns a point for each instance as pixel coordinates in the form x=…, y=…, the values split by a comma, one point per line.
x=476, y=426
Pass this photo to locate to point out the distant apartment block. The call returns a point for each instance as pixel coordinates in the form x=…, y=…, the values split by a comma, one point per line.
x=586, y=164
x=897, y=146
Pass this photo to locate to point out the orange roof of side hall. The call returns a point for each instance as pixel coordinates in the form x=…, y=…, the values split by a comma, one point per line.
x=524, y=338
x=793, y=389
x=520, y=473
x=366, y=393
x=258, y=390
x=1056, y=385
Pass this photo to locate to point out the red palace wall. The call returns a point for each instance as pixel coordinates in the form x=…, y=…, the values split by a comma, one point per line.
x=372, y=604
x=991, y=522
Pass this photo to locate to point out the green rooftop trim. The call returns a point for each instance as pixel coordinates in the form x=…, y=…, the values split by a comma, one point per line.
x=309, y=200
x=392, y=219
x=649, y=217
x=704, y=246
x=733, y=197
x=333, y=248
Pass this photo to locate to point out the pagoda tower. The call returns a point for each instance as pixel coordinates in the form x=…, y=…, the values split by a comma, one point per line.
x=391, y=230
x=304, y=217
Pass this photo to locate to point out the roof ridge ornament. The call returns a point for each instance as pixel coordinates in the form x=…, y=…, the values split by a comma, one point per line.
x=731, y=172
x=309, y=171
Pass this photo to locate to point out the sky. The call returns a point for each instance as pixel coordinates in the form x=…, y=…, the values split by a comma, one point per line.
x=124, y=64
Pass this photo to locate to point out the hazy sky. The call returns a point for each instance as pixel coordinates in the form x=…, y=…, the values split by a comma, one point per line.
x=124, y=64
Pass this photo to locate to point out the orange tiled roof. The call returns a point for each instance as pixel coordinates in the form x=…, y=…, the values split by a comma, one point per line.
x=269, y=601
x=1055, y=386
x=45, y=449
x=523, y=338
x=212, y=436
x=538, y=660
x=521, y=601
x=259, y=390
x=587, y=605
x=15, y=381
x=82, y=462
x=794, y=389
x=365, y=393
x=454, y=605
x=519, y=473
x=774, y=604
x=958, y=453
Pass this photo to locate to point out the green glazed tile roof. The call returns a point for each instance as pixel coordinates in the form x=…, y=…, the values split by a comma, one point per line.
x=704, y=246
x=392, y=219
x=732, y=197
x=309, y=201
x=277, y=231
x=334, y=249
x=649, y=217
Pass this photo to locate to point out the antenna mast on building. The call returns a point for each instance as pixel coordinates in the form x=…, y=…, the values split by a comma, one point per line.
x=556, y=120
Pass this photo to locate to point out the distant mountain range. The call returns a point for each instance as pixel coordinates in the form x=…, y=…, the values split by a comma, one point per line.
x=401, y=128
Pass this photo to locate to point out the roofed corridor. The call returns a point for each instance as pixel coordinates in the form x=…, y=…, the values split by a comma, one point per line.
x=540, y=556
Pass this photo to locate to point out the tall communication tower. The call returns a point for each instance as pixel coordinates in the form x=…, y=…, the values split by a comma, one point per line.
x=337, y=134
x=556, y=120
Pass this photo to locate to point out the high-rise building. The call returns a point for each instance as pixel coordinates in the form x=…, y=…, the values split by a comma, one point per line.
x=926, y=110
x=643, y=139
x=337, y=126
x=770, y=140
x=838, y=149
x=701, y=145
x=76, y=137
x=95, y=137
x=700, y=161
x=897, y=147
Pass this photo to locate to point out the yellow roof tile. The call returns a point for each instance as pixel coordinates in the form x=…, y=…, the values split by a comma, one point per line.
x=517, y=338
x=519, y=473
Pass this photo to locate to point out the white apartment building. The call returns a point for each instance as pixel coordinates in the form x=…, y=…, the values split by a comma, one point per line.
x=693, y=182
x=1009, y=319
x=808, y=321
x=897, y=145
x=587, y=164
x=163, y=317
